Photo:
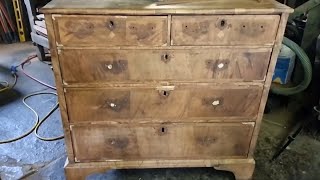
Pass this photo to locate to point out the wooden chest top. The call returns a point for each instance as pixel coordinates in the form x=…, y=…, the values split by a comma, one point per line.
x=157, y=7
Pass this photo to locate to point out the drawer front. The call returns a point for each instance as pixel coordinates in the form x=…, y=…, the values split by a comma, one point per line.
x=224, y=30
x=153, y=103
x=205, y=65
x=192, y=141
x=111, y=30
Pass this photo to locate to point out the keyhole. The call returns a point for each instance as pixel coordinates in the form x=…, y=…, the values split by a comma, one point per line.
x=111, y=24
x=222, y=23
x=165, y=93
x=162, y=130
x=165, y=58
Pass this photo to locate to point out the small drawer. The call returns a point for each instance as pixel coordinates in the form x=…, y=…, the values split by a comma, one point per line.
x=159, y=141
x=202, y=65
x=86, y=30
x=224, y=30
x=178, y=103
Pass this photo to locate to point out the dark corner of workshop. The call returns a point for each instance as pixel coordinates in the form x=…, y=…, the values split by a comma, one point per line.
x=159, y=89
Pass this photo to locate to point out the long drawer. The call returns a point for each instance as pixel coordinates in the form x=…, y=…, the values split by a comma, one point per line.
x=160, y=141
x=205, y=64
x=224, y=30
x=179, y=103
x=86, y=30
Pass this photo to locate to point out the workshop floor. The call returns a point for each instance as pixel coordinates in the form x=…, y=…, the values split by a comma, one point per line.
x=36, y=159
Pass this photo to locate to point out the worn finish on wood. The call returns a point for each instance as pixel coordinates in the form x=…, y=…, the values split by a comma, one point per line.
x=205, y=65
x=111, y=30
x=241, y=171
x=151, y=7
x=180, y=103
x=58, y=79
x=143, y=142
x=149, y=84
x=216, y=83
x=224, y=30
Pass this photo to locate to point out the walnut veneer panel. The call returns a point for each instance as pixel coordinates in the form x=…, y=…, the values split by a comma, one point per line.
x=198, y=64
x=224, y=30
x=90, y=31
x=181, y=103
x=192, y=141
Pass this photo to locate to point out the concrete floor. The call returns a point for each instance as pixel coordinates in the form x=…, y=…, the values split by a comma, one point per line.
x=36, y=159
x=24, y=156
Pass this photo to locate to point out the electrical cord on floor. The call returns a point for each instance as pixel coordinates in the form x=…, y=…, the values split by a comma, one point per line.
x=38, y=122
x=28, y=60
x=6, y=84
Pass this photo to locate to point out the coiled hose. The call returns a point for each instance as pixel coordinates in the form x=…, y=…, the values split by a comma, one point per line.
x=38, y=122
x=307, y=69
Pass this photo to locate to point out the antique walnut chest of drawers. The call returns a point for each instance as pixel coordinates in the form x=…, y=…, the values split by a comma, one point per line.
x=154, y=84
